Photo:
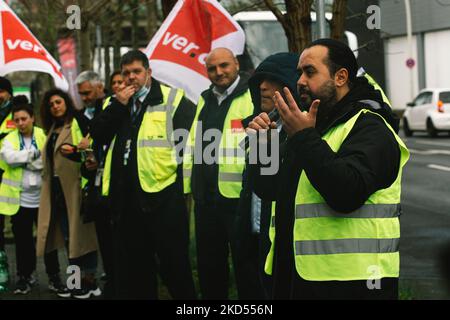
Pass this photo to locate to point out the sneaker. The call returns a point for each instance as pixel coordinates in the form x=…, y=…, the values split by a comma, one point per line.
x=32, y=280
x=88, y=289
x=63, y=292
x=55, y=284
x=22, y=286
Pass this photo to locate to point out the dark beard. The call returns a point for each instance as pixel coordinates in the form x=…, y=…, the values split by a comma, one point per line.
x=328, y=97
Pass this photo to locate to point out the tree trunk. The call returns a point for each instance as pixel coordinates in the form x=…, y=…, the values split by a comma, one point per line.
x=107, y=58
x=298, y=18
x=134, y=25
x=117, y=35
x=338, y=21
x=85, y=47
x=167, y=6
x=152, y=18
x=296, y=22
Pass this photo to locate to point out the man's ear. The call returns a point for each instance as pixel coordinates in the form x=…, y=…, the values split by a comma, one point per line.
x=341, y=77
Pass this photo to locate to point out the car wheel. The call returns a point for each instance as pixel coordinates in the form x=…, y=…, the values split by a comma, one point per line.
x=431, y=129
x=406, y=128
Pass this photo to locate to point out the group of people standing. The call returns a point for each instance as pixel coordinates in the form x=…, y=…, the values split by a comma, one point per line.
x=109, y=177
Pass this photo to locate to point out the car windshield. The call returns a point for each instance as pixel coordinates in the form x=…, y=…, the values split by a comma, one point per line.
x=445, y=96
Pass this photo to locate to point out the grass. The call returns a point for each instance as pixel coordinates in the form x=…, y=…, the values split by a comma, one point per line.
x=405, y=293
x=232, y=291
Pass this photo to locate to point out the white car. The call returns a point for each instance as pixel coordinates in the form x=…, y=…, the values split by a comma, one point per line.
x=429, y=112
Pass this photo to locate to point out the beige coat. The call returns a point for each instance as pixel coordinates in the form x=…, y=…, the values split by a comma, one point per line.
x=82, y=237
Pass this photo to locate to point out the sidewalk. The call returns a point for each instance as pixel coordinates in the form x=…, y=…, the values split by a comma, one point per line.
x=40, y=290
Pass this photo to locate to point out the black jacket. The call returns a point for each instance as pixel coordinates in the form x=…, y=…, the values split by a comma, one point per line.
x=204, y=176
x=282, y=68
x=115, y=121
x=367, y=161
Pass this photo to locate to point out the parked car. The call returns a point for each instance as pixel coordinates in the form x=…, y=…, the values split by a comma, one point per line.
x=430, y=112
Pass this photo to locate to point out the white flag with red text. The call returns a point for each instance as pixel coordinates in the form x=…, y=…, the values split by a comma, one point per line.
x=21, y=51
x=178, y=50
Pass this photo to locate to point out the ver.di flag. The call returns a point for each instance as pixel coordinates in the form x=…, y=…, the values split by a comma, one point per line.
x=21, y=51
x=178, y=50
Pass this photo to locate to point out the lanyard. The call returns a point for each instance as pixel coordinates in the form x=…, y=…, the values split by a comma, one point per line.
x=33, y=142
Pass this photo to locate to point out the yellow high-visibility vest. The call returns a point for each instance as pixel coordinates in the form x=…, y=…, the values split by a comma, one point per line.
x=11, y=185
x=156, y=157
x=231, y=155
x=357, y=246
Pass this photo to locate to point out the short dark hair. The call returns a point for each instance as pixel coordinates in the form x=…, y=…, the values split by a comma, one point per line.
x=339, y=56
x=46, y=116
x=21, y=103
x=111, y=77
x=132, y=56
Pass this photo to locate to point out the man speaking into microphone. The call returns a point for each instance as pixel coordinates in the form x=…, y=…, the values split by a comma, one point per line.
x=335, y=225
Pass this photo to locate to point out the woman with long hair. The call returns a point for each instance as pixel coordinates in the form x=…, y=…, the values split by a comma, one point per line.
x=59, y=220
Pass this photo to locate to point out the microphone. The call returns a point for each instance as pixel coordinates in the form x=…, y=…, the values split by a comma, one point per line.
x=274, y=116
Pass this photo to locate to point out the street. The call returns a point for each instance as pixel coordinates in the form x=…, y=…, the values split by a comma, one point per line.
x=425, y=219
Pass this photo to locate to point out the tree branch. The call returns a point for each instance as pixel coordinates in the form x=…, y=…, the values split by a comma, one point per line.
x=277, y=12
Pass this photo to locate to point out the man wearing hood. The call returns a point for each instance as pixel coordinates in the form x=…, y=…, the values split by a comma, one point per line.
x=336, y=222
x=253, y=216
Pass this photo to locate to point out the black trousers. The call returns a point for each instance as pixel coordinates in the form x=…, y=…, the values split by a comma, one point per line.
x=215, y=223
x=22, y=227
x=146, y=241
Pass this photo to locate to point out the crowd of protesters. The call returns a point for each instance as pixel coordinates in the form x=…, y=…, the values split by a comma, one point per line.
x=106, y=181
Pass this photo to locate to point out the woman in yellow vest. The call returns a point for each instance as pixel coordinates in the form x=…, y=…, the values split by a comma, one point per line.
x=20, y=193
x=59, y=222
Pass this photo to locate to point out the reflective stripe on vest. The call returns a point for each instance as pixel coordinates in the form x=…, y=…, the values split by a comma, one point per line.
x=334, y=246
x=317, y=210
x=269, y=258
x=156, y=156
x=11, y=184
x=231, y=156
x=377, y=87
x=77, y=135
x=106, y=178
x=339, y=246
x=106, y=103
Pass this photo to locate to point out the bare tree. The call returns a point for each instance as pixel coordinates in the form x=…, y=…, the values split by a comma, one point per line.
x=296, y=22
x=338, y=21
x=153, y=20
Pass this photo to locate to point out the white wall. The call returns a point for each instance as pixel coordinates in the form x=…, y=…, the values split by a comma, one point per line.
x=398, y=77
x=437, y=58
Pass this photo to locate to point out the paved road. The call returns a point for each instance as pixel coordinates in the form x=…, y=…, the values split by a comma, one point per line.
x=425, y=222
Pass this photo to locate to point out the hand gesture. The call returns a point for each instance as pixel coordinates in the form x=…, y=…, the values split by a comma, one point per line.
x=125, y=93
x=293, y=119
x=261, y=122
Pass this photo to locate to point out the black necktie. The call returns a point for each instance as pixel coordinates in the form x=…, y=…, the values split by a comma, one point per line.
x=135, y=112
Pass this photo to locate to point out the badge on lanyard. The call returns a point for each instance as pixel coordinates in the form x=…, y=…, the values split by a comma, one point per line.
x=126, y=155
x=98, y=177
x=33, y=180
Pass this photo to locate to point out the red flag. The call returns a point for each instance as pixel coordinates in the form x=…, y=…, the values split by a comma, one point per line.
x=178, y=50
x=21, y=51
